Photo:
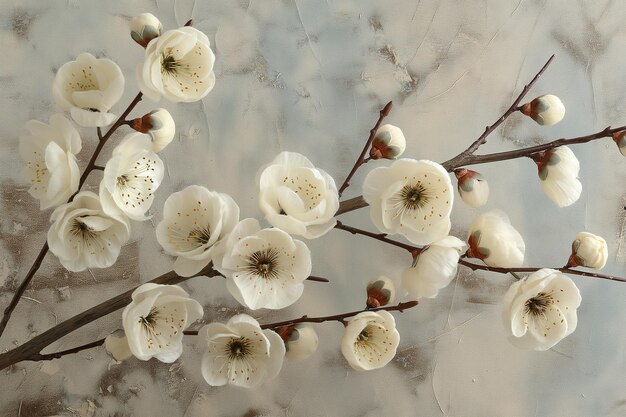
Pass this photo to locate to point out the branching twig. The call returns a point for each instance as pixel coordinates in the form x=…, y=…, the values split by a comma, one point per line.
x=383, y=113
x=44, y=250
x=458, y=160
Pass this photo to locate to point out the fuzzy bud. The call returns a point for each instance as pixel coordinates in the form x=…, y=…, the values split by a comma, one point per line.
x=301, y=341
x=546, y=110
x=588, y=250
x=389, y=143
x=144, y=28
x=472, y=187
x=159, y=124
x=380, y=292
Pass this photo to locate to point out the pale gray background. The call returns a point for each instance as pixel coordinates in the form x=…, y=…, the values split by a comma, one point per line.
x=309, y=76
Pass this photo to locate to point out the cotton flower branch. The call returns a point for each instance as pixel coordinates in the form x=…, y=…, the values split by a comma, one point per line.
x=361, y=159
x=44, y=250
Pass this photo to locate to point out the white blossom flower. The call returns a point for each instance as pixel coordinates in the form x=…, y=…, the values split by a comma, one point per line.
x=159, y=124
x=620, y=140
x=370, y=340
x=472, y=187
x=194, y=220
x=412, y=198
x=380, y=292
x=116, y=344
x=388, y=143
x=434, y=268
x=264, y=268
x=155, y=319
x=178, y=65
x=88, y=88
x=144, y=28
x=83, y=236
x=493, y=240
x=297, y=197
x=241, y=353
x=558, y=172
x=546, y=110
x=131, y=177
x=301, y=341
x=49, y=152
x=540, y=309
x=588, y=250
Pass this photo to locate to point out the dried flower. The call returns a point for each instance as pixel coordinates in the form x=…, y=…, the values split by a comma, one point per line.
x=540, y=309
x=370, y=340
x=412, y=198
x=558, y=172
x=493, y=240
x=297, y=197
x=49, y=151
x=546, y=110
x=144, y=28
x=472, y=187
x=588, y=250
x=434, y=268
x=155, y=319
x=83, y=236
x=388, y=143
x=380, y=292
x=131, y=177
x=194, y=221
x=265, y=268
x=178, y=65
x=88, y=88
x=240, y=353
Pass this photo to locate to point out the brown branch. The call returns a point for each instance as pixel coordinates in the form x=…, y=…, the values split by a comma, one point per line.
x=44, y=250
x=459, y=159
x=338, y=317
x=378, y=236
x=481, y=267
x=361, y=160
x=31, y=349
x=526, y=152
x=57, y=355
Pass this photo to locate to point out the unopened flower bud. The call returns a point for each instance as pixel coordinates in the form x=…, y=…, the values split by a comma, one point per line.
x=558, y=171
x=380, y=292
x=389, y=143
x=588, y=250
x=472, y=186
x=144, y=28
x=300, y=341
x=546, y=110
x=117, y=345
x=159, y=124
x=620, y=140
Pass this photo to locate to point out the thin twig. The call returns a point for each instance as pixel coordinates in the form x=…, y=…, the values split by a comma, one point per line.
x=44, y=250
x=458, y=160
x=526, y=152
x=98, y=168
x=383, y=113
x=338, y=317
x=378, y=236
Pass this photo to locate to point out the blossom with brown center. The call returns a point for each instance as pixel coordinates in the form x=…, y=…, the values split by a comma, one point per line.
x=370, y=340
x=540, y=309
x=412, y=198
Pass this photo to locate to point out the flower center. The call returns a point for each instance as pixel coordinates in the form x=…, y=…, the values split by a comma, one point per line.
x=264, y=263
x=200, y=235
x=413, y=196
x=81, y=230
x=539, y=304
x=122, y=180
x=169, y=65
x=149, y=321
x=238, y=348
x=364, y=336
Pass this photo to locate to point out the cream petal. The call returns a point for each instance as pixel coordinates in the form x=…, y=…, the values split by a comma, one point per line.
x=548, y=328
